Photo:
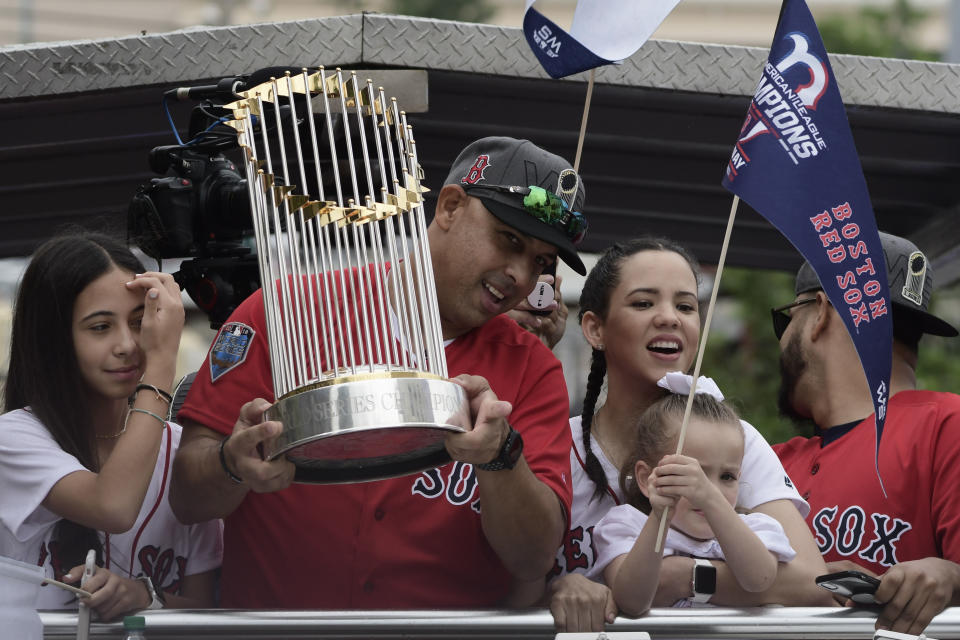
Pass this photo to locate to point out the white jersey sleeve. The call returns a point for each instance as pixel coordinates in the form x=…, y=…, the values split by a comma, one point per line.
x=614, y=536
x=31, y=463
x=771, y=534
x=762, y=477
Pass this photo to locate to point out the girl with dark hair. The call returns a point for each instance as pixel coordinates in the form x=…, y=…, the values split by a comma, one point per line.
x=85, y=448
x=640, y=313
x=696, y=493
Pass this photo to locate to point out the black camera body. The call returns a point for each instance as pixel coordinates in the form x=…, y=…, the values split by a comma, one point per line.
x=200, y=208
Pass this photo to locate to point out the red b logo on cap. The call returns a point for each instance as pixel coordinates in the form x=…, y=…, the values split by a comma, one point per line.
x=475, y=174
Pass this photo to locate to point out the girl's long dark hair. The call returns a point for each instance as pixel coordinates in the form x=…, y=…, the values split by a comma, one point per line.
x=44, y=374
x=595, y=297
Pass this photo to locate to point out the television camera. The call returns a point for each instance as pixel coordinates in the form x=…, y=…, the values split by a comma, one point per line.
x=200, y=208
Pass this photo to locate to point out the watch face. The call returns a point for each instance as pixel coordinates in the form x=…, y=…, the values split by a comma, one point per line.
x=515, y=447
x=704, y=579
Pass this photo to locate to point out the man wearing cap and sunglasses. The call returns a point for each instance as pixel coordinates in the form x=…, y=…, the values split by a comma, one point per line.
x=455, y=536
x=911, y=538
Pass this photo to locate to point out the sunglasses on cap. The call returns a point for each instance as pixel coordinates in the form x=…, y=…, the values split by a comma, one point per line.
x=545, y=206
x=781, y=319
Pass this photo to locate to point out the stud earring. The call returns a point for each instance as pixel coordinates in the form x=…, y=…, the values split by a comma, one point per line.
x=600, y=347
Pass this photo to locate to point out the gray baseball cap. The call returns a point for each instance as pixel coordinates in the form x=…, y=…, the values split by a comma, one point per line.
x=489, y=167
x=910, y=277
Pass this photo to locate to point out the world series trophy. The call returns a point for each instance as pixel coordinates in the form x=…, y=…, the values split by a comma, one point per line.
x=356, y=349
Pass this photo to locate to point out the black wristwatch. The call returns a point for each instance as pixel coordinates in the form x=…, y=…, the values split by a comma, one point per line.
x=704, y=580
x=509, y=453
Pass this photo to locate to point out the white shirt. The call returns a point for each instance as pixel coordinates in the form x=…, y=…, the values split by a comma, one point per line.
x=616, y=532
x=158, y=546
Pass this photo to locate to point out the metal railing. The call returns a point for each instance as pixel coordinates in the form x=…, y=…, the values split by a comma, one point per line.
x=782, y=623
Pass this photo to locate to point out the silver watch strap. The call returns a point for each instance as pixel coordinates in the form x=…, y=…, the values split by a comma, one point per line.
x=155, y=600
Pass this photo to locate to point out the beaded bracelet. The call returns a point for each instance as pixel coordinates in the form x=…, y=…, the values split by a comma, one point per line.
x=161, y=394
x=149, y=413
x=234, y=478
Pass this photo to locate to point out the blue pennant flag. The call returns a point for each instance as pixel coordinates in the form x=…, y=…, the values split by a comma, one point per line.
x=795, y=163
x=603, y=32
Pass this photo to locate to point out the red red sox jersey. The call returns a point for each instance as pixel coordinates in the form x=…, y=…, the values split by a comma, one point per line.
x=850, y=518
x=410, y=542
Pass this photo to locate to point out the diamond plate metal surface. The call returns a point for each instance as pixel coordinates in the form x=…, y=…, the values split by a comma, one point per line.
x=401, y=41
x=449, y=46
x=181, y=56
x=659, y=64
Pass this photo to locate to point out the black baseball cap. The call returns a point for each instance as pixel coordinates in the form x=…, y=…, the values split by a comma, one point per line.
x=500, y=161
x=910, y=277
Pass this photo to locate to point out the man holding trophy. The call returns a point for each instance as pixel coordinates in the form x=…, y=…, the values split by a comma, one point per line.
x=453, y=536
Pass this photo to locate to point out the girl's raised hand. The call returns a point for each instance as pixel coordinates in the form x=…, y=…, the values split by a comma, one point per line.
x=163, y=315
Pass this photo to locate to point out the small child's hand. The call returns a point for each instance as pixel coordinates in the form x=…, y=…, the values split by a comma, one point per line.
x=658, y=500
x=680, y=476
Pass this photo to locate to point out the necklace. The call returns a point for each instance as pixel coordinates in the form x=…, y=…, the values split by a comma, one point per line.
x=606, y=450
x=113, y=436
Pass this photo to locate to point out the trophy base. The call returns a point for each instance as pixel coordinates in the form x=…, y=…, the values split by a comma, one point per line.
x=368, y=427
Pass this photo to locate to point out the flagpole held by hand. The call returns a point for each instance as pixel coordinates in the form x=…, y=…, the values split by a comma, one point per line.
x=583, y=122
x=658, y=548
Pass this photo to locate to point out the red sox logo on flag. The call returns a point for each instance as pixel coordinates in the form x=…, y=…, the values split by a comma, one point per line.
x=781, y=107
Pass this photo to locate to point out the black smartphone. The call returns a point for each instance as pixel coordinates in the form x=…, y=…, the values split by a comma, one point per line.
x=552, y=270
x=854, y=585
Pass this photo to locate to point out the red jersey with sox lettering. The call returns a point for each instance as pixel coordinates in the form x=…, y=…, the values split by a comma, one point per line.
x=849, y=516
x=410, y=542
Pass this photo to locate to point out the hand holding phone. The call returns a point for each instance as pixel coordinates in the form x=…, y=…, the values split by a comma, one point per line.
x=855, y=585
x=543, y=294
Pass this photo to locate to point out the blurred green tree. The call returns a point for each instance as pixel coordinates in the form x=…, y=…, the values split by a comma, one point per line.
x=746, y=365
x=463, y=10
x=939, y=368
x=888, y=32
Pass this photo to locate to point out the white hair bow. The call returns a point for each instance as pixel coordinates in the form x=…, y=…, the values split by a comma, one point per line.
x=680, y=383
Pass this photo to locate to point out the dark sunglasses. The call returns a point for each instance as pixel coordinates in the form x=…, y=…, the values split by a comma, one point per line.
x=545, y=206
x=781, y=318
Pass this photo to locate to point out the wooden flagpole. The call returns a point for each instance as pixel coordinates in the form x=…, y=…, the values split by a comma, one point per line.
x=68, y=587
x=583, y=122
x=703, y=344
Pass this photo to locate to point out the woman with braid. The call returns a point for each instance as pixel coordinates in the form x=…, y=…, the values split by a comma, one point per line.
x=640, y=313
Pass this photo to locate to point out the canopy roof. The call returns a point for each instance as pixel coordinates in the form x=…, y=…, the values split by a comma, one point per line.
x=79, y=118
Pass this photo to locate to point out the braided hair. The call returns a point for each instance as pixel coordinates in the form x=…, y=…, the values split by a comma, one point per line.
x=595, y=296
